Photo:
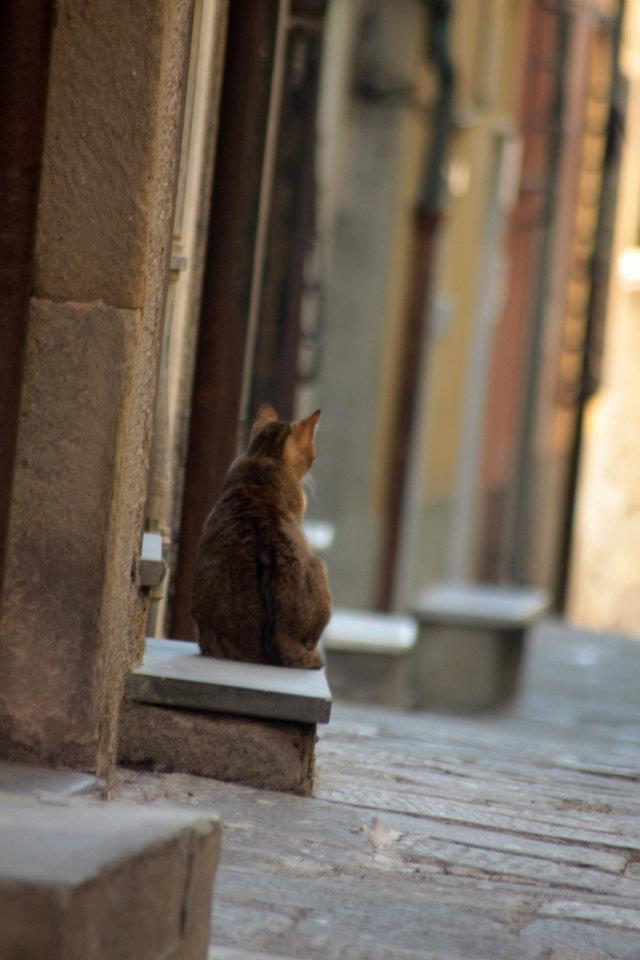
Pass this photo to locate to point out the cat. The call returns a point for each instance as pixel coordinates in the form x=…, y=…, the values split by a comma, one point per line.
x=259, y=595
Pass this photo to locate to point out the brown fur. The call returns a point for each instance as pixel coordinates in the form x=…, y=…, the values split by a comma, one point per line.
x=259, y=595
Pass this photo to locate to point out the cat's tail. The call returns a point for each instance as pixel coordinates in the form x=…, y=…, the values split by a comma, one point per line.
x=266, y=564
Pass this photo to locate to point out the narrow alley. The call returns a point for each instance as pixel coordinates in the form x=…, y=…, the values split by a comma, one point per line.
x=510, y=837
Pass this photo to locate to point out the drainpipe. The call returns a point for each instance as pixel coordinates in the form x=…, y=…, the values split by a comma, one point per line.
x=428, y=216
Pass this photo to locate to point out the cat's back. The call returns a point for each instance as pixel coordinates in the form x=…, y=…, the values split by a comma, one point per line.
x=247, y=535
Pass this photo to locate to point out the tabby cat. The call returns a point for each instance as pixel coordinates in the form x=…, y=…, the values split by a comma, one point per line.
x=259, y=595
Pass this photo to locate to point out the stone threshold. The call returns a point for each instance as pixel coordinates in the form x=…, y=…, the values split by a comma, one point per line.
x=241, y=722
x=370, y=656
x=81, y=879
x=174, y=673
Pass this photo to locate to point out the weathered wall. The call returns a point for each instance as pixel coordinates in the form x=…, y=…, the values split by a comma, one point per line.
x=367, y=177
x=604, y=582
x=73, y=613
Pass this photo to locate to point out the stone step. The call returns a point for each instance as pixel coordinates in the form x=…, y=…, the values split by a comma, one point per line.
x=369, y=656
x=364, y=631
x=174, y=673
x=82, y=879
x=244, y=722
x=471, y=641
x=481, y=605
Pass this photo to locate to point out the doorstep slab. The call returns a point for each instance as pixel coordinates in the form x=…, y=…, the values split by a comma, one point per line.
x=471, y=642
x=174, y=673
x=20, y=778
x=481, y=605
x=363, y=631
x=370, y=657
x=82, y=879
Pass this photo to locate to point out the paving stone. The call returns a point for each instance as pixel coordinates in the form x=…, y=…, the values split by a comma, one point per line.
x=80, y=880
x=269, y=754
x=174, y=673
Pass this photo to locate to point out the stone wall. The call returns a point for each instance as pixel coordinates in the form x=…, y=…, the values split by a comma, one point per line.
x=73, y=611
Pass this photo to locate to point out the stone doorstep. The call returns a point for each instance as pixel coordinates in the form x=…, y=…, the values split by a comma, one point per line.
x=470, y=643
x=267, y=754
x=175, y=674
x=480, y=605
x=360, y=631
x=369, y=656
x=82, y=879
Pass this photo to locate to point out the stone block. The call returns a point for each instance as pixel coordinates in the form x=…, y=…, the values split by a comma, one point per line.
x=174, y=673
x=102, y=148
x=471, y=642
x=269, y=754
x=55, y=695
x=82, y=880
x=370, y=657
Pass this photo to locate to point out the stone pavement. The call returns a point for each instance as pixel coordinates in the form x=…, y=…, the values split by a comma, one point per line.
x=510, y=836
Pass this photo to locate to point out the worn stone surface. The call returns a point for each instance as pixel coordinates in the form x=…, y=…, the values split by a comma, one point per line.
x=508, y=836
x=109, y=882
x=174, y=673
x=53, y=693
x=96, y=201
x=370, y=657
x=271, y=754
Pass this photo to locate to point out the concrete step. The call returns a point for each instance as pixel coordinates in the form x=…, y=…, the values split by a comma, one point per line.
x=471, y=642
x=370, y=655
x=243, y=722
x=174, y=673
x=82, y=879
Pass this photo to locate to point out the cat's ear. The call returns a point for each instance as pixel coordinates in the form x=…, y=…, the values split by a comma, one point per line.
x=304, y=430
x=266, y=414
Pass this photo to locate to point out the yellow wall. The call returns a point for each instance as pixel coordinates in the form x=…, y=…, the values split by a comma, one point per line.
x=605, y=586
x=486, y=52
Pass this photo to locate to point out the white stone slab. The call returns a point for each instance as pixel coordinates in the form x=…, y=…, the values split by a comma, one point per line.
x=360, y=631
x=21, y=778
x=175, y=673
x=481, y=605
x=81, y=880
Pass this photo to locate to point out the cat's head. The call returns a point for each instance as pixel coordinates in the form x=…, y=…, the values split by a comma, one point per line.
x=293, y=443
